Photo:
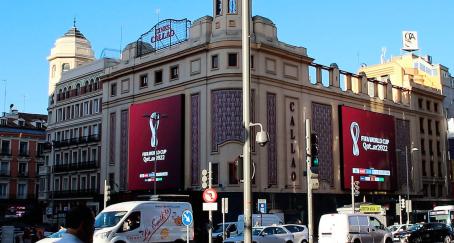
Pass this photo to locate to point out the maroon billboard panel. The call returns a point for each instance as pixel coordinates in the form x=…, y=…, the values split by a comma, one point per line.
x=368, y=149
x=156, y=134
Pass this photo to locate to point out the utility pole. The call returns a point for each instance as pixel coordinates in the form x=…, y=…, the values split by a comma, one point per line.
x=247, y=191
x=310, y=219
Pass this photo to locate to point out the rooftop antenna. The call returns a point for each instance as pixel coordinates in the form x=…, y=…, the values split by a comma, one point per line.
x=74, y=22
x=158, y=11
x=383, y=55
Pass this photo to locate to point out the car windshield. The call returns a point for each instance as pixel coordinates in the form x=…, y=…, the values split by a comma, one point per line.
x=108, y=219
x=415, y=227
x=393, y=227
x=256, y=231
x=218, y=228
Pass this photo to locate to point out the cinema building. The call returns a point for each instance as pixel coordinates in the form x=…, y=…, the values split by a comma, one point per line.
x=176, y=97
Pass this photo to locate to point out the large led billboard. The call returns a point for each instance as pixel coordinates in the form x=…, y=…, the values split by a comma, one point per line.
x=156, y=134
x=368, y=150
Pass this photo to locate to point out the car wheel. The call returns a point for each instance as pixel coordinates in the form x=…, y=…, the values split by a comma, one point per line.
x=304, y=241
x=418, y=240
x=447, y=239
x=389, y=240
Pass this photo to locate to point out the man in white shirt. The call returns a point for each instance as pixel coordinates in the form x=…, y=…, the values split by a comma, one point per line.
x=80, y=223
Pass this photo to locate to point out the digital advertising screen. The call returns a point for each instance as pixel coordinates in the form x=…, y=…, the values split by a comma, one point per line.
x=368, y=150
x=156, y=134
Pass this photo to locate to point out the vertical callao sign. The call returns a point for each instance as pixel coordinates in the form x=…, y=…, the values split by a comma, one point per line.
x=156, y=134
x=368, y=149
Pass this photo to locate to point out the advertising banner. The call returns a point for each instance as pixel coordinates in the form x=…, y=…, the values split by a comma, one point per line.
x=156, y=134
x=368, y=149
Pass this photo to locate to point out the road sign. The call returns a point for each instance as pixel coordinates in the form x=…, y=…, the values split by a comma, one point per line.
x=187, y=217
x=210, y=207
x=261, y=204
x=210, y=195
x=370, y=208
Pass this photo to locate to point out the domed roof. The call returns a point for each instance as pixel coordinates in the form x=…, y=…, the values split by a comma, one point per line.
x=74, y=32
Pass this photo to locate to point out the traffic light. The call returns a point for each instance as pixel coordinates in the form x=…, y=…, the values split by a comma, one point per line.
x=238, y=164
x=107, y=192
x=204, y=179
x=402, y=203
x=314, y=153
x=356, y=188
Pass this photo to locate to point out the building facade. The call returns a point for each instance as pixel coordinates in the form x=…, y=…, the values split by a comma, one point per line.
x=74, y=132
x=287, y=87
x=22, y=155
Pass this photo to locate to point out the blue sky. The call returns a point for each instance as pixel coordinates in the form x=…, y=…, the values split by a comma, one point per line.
x=345, y=32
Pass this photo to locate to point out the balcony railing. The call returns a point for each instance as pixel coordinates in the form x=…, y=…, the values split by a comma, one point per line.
x=24, y=153
x=5, y=173
x=5, y=153
x=22, y=174
x=76, y=193
x=77, y=141
x=44, y=170
x=87, y=165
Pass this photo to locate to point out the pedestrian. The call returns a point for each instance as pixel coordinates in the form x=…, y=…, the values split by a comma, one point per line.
x=80, y=223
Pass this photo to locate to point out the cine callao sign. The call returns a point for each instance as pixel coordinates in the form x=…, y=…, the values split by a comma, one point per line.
x=368, y=149
x=162, y=33
x=156, y=138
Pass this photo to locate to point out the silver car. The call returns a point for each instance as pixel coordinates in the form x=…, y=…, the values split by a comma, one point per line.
x=267, y=234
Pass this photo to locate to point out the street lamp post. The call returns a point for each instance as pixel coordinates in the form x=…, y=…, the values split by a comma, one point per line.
x=407, y=177
x=155, y=116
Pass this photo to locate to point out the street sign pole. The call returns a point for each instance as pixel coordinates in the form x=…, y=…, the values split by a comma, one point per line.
x=210, y=215
x=225, y=209
x=187, y=219
x=352, y=185
x=187, y=233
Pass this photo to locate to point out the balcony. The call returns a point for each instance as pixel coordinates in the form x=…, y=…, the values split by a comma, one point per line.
x=4, y=173
x=22, y=174
x=44, y=170
x=87, y=165
x=76, y=193
x=77, y=141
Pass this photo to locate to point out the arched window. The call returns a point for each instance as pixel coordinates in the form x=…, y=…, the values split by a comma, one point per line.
x=54, y=69
x=218, y=7
x=77, y=91
x=69, y=92
x=92, y=83
x=64, y=93
x=65, y=67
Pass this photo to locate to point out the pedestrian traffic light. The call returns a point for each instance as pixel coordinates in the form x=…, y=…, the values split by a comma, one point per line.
x=356, y=188
x=402, y=203
x=314, y=153
x=238, y=164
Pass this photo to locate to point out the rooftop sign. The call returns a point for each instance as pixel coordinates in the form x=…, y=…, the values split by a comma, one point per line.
x=164, y=34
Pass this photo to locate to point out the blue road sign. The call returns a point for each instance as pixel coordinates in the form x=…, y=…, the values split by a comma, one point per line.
x=187, y=217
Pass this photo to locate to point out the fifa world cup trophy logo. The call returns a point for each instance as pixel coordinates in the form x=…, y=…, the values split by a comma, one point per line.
x=154, y=124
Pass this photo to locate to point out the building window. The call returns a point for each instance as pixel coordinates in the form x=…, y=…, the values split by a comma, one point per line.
x=57, y=184
x=111, y=180
x=440, y=191
x=5, y=147
x=158, y=77
x=232, y=173
x=232, y=60
x=436, y=107
x=423, y=146
x=143, y=81
x=4, y=168
x=214, y=61
x=93, y=182
x=218, y=7
x=420, y=103
x=440, y=173
x=215, y=171
x=438, y=148
x=21, y=191
x=174, y=72
x=232, y=6
x=424, y=170
x=437, y=128
x=23, y=148
x=3, y=121
x=3, y=190
x=83, y=183
x=21, y=123
x=428, y=105
x=74, y=184
x=421, y=125
x=431, y=150
x=432, y=190
x=65, y=67
x=432, y=171
x=113, y=89
x=425, y=189
x=22, y=171
x=86, y=110
x=429, y=126
x=112, y=132
x=252, y=62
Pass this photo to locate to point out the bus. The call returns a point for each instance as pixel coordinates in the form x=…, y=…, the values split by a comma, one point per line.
x=442, y=214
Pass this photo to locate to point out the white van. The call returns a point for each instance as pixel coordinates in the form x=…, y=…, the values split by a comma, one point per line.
x=354, y=228
x=142, y=221
x=266, y=219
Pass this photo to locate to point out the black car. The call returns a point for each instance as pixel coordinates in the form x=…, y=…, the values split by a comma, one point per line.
x=427, y=232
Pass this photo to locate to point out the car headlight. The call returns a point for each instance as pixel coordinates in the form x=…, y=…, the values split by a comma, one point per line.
x=103, y=235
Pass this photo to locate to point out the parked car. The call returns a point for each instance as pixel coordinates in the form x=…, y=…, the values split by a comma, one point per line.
x=300, y=232
x=354, y=228
x=396, y=228
x=427, y=232
x=53, y=237
x=229, y=228
x=142, y=221
x=267, y=234
x=266, y=219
